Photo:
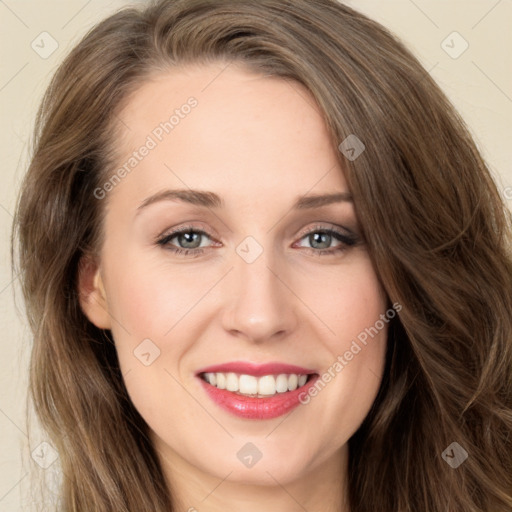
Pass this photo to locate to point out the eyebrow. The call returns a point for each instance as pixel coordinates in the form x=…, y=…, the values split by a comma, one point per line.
x=212, y=200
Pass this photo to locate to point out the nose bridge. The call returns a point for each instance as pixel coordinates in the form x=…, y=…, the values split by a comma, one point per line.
x=259, y=304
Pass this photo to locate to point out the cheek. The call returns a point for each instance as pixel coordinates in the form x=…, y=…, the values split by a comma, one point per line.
x=362, y=328
x=150, y=299
x=346, y=301
x=150, y=306
x=356, y=339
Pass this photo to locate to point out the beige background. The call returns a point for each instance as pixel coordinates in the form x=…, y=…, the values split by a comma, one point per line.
x=478, y=82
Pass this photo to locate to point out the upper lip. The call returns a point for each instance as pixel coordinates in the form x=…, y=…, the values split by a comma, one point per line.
x=256, y=369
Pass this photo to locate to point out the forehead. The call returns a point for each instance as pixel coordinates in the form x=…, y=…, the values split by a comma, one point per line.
x=226, y=129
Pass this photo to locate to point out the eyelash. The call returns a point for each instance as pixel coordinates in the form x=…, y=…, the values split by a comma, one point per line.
x=346, y=241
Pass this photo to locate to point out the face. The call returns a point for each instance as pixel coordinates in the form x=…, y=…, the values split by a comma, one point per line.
x=239, y=275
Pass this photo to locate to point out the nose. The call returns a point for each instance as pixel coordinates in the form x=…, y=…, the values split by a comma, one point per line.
x=259, y=303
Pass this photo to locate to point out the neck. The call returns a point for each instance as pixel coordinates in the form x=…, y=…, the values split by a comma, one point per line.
x=320, y=489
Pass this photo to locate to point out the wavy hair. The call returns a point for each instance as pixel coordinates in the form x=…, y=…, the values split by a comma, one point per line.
x=436, y=227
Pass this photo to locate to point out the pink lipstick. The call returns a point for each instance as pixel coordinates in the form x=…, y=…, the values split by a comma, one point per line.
x=256, y=391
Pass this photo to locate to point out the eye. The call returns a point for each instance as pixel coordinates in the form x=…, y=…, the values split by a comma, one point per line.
x=321, y=239
x=188, y=240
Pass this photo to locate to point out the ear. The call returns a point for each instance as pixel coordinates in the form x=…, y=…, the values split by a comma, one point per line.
x=91, y=292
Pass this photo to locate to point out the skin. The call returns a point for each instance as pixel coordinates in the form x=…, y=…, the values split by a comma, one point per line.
x=259, y=143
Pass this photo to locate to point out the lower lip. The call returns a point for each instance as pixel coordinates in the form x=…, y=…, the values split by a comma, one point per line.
x=257, y=408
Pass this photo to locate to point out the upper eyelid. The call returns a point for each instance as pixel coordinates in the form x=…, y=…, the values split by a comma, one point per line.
x=328, y=227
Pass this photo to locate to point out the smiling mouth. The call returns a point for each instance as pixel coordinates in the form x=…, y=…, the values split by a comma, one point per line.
x=264, y=386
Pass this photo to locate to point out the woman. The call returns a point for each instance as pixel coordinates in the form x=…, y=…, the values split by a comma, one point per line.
x=192, y=351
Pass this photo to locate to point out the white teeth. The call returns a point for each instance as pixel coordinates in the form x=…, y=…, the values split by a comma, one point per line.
x=248, y=384
x=231, y=382
x=282, y=383
x=267, y=385
x=211, y=378
x=221, y=380
x=293, y=380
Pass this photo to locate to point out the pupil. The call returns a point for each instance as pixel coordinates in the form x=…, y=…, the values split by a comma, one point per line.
x=189, y=239
x=317, y=237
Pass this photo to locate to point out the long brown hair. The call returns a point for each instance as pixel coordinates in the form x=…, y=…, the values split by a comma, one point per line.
x=437, y=231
